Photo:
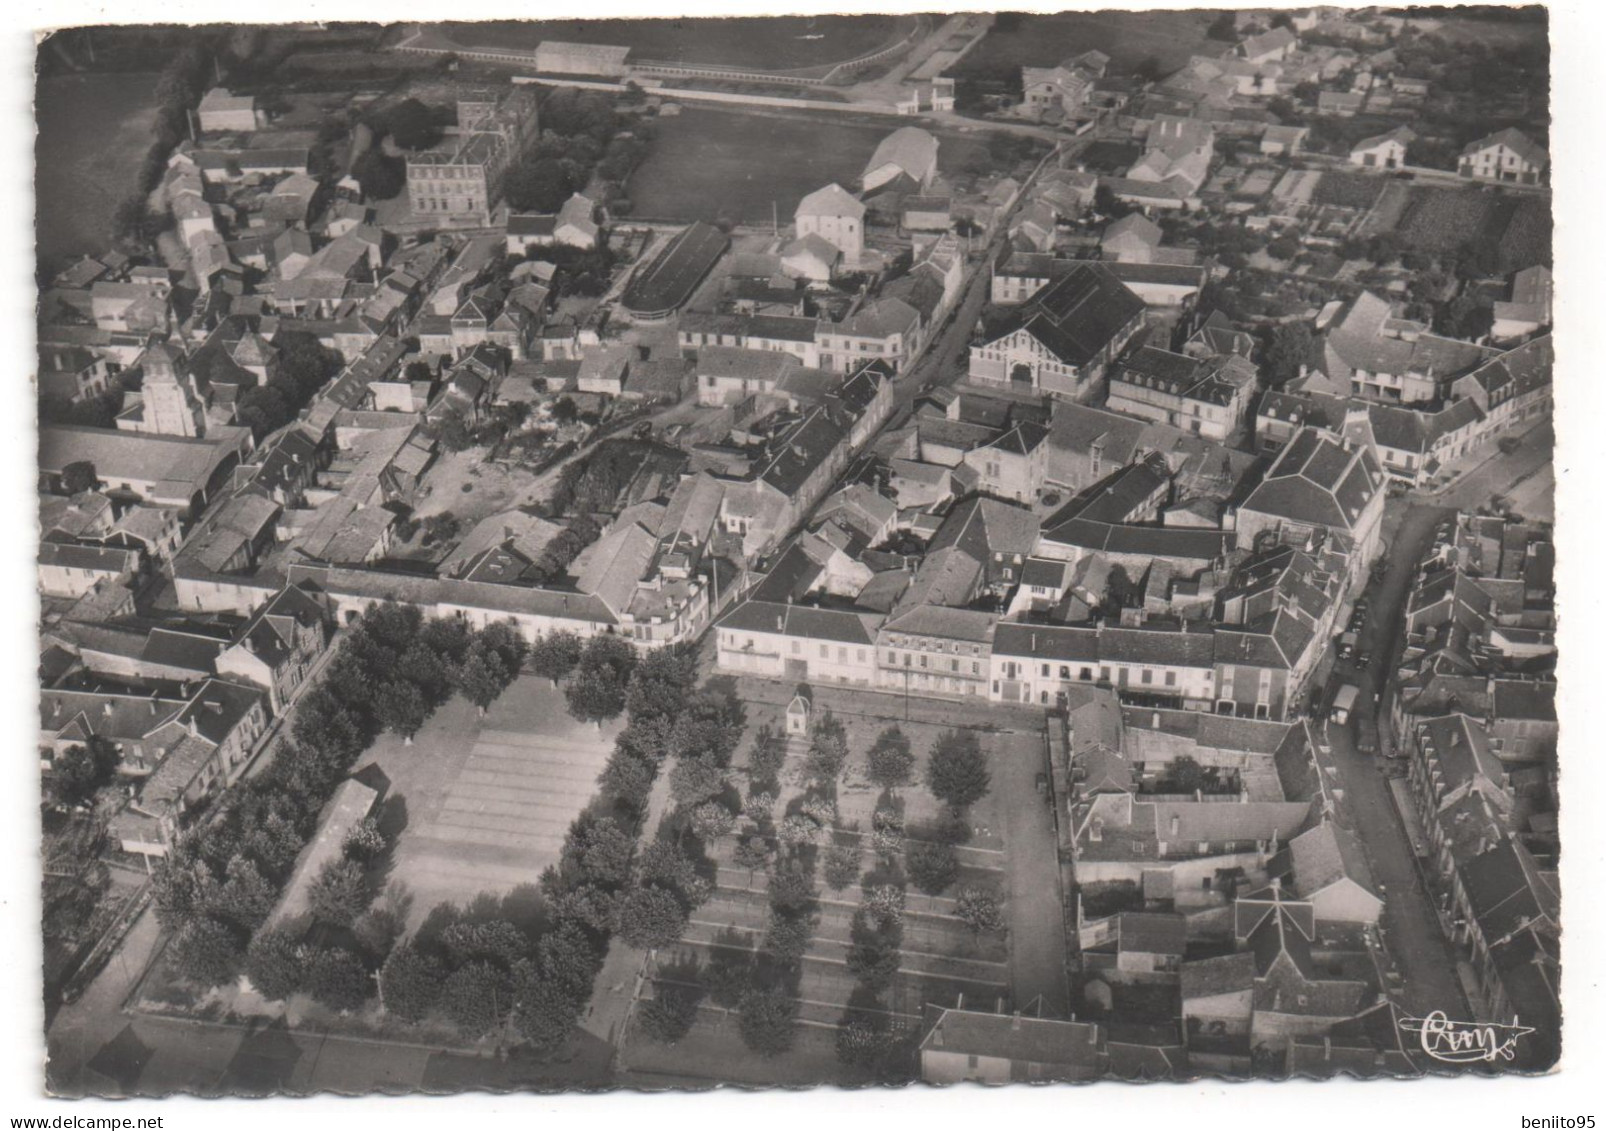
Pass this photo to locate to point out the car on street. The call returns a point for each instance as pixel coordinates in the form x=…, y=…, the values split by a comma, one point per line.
x=1346, y=645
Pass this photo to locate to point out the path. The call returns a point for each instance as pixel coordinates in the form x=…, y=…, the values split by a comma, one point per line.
x=1037, y=953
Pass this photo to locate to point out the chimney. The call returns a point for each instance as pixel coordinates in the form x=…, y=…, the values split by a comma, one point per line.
x=106, y=709
x=1327, y=1048
x=1176, y=824
x=1014, y=1024
x=1156, y=722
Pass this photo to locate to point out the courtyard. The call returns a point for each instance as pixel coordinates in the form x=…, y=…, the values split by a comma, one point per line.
x=487, y=801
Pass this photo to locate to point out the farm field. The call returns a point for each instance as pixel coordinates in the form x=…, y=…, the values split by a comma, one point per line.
x=1128, y=38
x=719, y=165
x=768, y=43
x=1348, y=190
x=1440, y=220
x=940, y=958
x=94, y=130
x=489, y=800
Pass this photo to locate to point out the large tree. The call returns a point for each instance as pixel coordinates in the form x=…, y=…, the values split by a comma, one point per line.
x=594, y=695
x=650, y=917
x=207, y=952
x=957, y=772
x=555, y=655
x=410, y=982
x=81, y=771
x=476, y=996
x=891, y=759
x=768, y=1021
x=379, y=175
x=932, y=867
x=339, y=893
x=695, y=780
x=669, y=1014
x=481, y=677
x=979, y=910
x=275, y=964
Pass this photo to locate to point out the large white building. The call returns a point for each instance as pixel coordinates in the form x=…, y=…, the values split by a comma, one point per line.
x=837, y=217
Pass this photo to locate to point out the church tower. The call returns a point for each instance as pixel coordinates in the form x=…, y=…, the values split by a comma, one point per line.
x=169, y=403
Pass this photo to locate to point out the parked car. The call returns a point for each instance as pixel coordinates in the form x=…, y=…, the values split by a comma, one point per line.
x=1363, y=658
x=1346, y=645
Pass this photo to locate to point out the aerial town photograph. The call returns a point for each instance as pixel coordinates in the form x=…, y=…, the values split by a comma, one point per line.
x=784, y=551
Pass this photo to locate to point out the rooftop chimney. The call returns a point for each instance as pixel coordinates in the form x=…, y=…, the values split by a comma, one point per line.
x=1014, y=1023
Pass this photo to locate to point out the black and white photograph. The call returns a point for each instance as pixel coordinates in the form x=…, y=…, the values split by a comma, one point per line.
x=804, y=550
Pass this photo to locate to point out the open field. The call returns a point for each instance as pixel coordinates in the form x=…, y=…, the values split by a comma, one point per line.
x=93, y=131
x=711, y=165
x=1128, y=38
x=716, y=164
x=488, y=801
x=771, y=43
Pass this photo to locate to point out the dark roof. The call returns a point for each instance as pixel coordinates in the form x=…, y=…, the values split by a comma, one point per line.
x=840, y=625
x=673, y=274
x=1079, y=315
x=1023, y=1040
x=774, y=327
x=1151, y=933
x=1318, y=479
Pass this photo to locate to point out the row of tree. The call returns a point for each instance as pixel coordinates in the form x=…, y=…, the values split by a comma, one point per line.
x=525, y=964
x=223, y=875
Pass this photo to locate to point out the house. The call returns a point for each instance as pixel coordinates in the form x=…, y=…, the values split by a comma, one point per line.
x=1013, y=466
x=1529, y=309
x=908, y=152
x=811, y=257
x=277, y=647
x=1383, y=357
x=530, y=229
x=1061, y=340
x=932, y=649
x=1384, y=151
x=798, y=642
x=1507, y=157
x=729, y=374
x=927, y=213
x=796, y=336
x=1318, y=482
x=1340, y=103
x=1205, y=397
x=1131, y=239
x=576, y=223
x=883, y=329
x=836, y=216
x=353, y=802
x=198, y=752
x=1270, y=47
x=222, y=112
x=68, y=569
x=1065, y=88
x=1283, y=141
x=176, y=471
x=1327, y=867
x=959, y=1046
x=1177, y=154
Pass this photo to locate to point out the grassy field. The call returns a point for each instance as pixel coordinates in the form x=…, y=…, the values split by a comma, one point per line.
x=93, y=131
x=1128, y=38
x=768, y=43
x=709, y=165
x=714, y=164
x=488, y=801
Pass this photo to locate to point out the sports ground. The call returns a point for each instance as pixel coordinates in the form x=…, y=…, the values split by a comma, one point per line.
x=488, y=801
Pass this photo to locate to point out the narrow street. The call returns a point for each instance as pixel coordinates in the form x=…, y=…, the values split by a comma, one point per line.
x=1410, y=926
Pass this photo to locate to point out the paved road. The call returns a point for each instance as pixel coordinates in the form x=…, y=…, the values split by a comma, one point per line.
x=1410, y=924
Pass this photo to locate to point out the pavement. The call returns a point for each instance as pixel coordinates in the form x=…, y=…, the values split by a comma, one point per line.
x=1037, y=950
x=1410, y=923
